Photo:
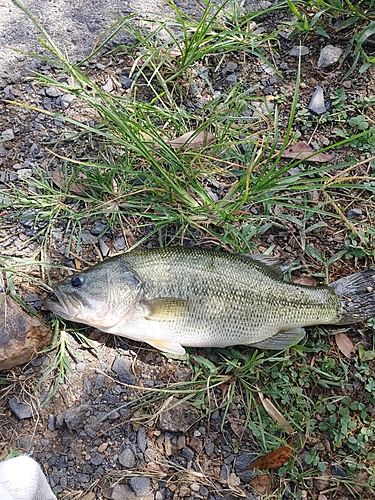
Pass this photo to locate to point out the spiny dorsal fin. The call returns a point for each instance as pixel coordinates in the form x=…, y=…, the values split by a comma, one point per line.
x=276, y=266
x=282, y=340
x=166, y=308
x=167, y=346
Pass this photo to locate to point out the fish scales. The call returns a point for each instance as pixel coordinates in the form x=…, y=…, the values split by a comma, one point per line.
x=178, y=297
x=227, y=292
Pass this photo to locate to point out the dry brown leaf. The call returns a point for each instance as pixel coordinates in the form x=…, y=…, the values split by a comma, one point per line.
x=175, y=53
x=261, y=484
x=274, y=413
x=345, y=345
x=74, y=187
x=274, y=459
x=192, y=140
x=305, y=279
x=237, y=425
x=301, y=150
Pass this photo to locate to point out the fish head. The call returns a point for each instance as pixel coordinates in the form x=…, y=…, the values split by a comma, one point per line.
x=101, y=296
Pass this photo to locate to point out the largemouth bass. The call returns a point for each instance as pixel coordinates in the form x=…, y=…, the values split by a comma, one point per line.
x=176, y=297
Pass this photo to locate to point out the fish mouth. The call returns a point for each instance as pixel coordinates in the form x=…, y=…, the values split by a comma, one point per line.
x=67, y=306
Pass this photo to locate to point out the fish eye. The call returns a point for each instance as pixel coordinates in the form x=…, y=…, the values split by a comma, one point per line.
x=77, y=281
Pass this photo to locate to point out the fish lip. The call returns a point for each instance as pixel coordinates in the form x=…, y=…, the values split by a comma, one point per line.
x=68, y=307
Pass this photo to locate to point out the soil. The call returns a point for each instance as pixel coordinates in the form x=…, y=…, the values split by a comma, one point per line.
x=105, y=433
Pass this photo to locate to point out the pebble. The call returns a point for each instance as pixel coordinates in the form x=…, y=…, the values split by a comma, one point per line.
x=298, y=50
x=142, y=439
x=179, y=418
x=317, y=105
x=119, y=244
x=8, y=134
x=66, y=100
x=230, y=80
x=98, y=228
x=51, y=422
x=126, y=82
x=354, y=213
x=75, y=416
x=104, y=248
x=338, y=471
x=329, y=55
x=187, y=454
x=209, y=448
x=140, y=485
x=121, y=367
x=127, y=459
x=21, y=410
x=108, y=86
x=230, y=67
x=53, y=92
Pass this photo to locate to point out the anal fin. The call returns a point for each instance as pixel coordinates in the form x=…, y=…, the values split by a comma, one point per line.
x=282, y=340
x=167, y=346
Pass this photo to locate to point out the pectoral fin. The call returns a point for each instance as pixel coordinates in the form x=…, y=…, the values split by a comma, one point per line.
x=166, y=308
x=167, y=346
x=282, y=340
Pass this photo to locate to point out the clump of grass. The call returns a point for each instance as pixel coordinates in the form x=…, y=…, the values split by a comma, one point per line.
x=134, y=172
x=353, y=20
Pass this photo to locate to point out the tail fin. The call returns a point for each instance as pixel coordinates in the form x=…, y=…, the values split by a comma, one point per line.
x=357, y=293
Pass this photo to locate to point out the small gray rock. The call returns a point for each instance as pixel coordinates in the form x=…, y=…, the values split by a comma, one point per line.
x=8, y=134
x=121, y=367
x=126, y=82
x=21, y=410
x=53, y=92
x=329, y=55
x=242, y=461
x=178, y=417
x=98, y=228
x=119, y=244
x=66, y=100
x=187, y=454
x=230, y=80
x=354, y=213
x=140, y=485
x=127, y=459
x=104, y=248
x=230, y=67
x=51, y=422
x=75, y=416
x=142, y=439
x=317, y=105
x=298, y=50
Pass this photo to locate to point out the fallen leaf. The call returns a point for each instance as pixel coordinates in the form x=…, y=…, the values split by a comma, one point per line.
x=192, y=140
x=365, y=355
x=274, y=459
x=237, y=425
x=274, y=413
x=301, y=150
x=344, y=344
x=233, y=480
x=74, y=187
x=175, y=53
x=261, y=484
x=305, y=279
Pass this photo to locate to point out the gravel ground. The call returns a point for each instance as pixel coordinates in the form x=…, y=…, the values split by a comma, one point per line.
x=74, y=26
x=98, y=425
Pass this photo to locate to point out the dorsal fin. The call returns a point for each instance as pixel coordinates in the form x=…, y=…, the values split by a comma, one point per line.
x=276, y=266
